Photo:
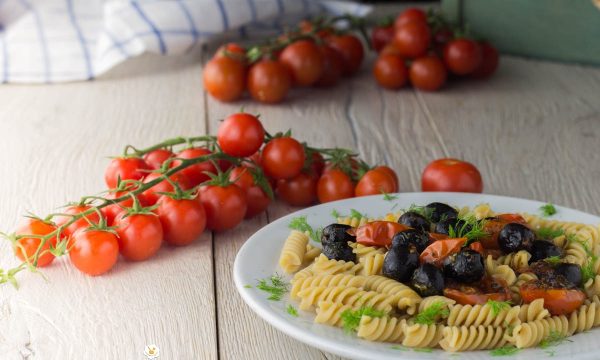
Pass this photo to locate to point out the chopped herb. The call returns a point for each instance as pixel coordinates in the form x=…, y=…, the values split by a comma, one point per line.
x=549, y=234
x=389, y=197
x=277, y=287
x=355, y=214
x=553, y=260
x=506, y=350
x=548, y=210
x=335, y=214
x=423, y=350
x=430, y=314
x=248, y=286
x=351, y=319
x=399, y=347
x=421, y=210
x=498, y=306
x=292, y=310
x=554, y=338
x=469, y=228
x=587, y=271
x=299, y=223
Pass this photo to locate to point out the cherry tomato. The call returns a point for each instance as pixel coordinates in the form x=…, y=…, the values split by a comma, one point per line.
x=195, y=173
x=390, y=72
x=225, y=206
x=351, y=50
x=156, y=158
x=283, y=158
x=451, y=175
x=427, y=73
x=232, y=50
x=378, y=233
x=462, y=56
x=333, y=65
x=225, y=78
x=256, y=198
x=129, y=168
x=334, y=185
x=381, y=36
x=304, y=60
x=487, y=289
x=307, y=26
x=437, y=251
x=300, y=190
x=150, y=196
x=28, y=246
x=489, y=61
x=392, y=174
x=182, y=220
x=315, y=164
x=111, y=211
x=92, y=218
x=410, y=15
x=269, y=81
x=375, y=182
x=390, y=49
x=94, y=252
x=442, y=37
x=240, y=135
x=140, y=235
x=412, y=39
x=557, y=301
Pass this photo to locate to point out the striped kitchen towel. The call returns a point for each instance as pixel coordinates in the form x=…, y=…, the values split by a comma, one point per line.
x=47, y=41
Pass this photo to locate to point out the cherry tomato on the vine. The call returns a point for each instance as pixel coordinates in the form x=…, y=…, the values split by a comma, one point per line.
x=240, y=135
x=156, y=158
x=151, y=195
x=111, y=211
x=390, y=72
x=232, y=50
x=388, y=170
x=27, y=247
x=125, y=168
x=283, y=158
x=94, y=252
x=316, y=164
x=489, y=61
x=300, y=190
x=225, y=206
x=269, y=81
x=462, y=56
x=304, y=60
x=225, y=78
x=375, y=182
x=140, y=235
x=427, y=73
x=256, y=198
x=451, y=175
x=412, y=39
x=334, y=185
x=351, y=50
x=410, y=15
x=333, y=65
x=90, y=219
x=182, y=220
x=195, y=173
x=381, y=36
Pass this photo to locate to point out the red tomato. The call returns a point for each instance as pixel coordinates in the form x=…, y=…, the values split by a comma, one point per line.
x=557, y=301
x=494, y=226
x=92, y=218
x=391, y=173
x=316, y=165
x=333, y=65
x=195, y=173
x=451, y=175
x=225, y=78
x=183, y=220
x=412, y=39
x=375, y=182
x=225, y=206
x=111, y=211
x=437, y=251
x=351, y=50
x=151, y=195
x=443, y=36
x=512, y=218
x=378, y=233
x=427, y=73
x=304, y=60
x=240, y=135
x=140, y=235
x=410, y=15
x=462, y=56
x=390, y=49
x=129, y=168
x=283, y=158
x=232, y=50
x=334, y=185
x=307, y=27
x=381, y=36
x=156, y=158
x=269, y=81
x=298, y=191
x=487, y=289
x=390, y=72
x=256, y=198
x=28, y=246
x=94, y=252
x=489, y=61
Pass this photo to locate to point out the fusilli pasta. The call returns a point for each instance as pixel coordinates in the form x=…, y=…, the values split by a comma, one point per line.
x=293, y=251
x=406, y=298
x=384, y=329
x=469, y=338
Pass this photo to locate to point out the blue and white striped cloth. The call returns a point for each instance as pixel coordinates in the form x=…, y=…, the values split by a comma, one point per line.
x=47, y=41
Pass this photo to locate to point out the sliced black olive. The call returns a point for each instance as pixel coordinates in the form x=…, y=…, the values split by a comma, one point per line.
x=571, y=272
x=400, y=263
x=541, y=249
x=336, y=233
x=443, y=226
x=438, y=211
x=414, y=237
x=464, y=266
x=415, y=220
x=427, y=280
x=339, y=251
x=514, y=237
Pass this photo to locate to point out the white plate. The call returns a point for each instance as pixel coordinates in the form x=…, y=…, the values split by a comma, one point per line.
x=258, y=259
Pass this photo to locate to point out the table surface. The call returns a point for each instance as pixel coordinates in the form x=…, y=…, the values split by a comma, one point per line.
x=533, y=130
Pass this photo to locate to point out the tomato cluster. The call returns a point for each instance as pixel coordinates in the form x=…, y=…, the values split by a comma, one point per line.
x=422, y=49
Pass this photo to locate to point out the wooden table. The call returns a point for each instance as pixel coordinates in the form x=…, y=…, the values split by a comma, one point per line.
x=533, y=130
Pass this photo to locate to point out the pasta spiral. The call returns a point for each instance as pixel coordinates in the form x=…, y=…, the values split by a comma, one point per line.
x=323, y=265
x=326, y=280
x=405, y=297
x=354, y=221
x=482, y=211
x=303, y=274
x=517, y=261
x=352, y=296
x=465, y=338
x=586, y=232
x=430, y=300
x=372, y=264
x=592, y=286
x=330, y=313
x=530, y=334
x=292, y=254
x=521, y=279
x=475, y=315
x=533, y=311
x=384, y=329
x=311, y=253
x=422, y=336
x=584, y=318
x=363, y=250
x=505, y=273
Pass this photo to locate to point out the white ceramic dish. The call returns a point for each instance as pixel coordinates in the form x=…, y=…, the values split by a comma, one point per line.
x=258, y=258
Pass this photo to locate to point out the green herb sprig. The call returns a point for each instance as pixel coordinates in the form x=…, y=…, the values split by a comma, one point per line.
x=553, y=260
x=498, y=306
x=549, y=234
x=275, y=285
x=299, y=223
x=389, y=197
x=292, y=310
x=351, y=319
x=507, y=350
x=548, y=210
x=431, y=313
x=554, y=338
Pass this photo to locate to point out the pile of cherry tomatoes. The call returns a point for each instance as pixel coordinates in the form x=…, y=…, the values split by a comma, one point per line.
x=423, y=48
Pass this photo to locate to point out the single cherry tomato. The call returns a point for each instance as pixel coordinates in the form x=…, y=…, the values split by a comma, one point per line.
x=232, y=50
x=195, y=173
x=388, y=170
x=375, y=182
x=557, y=301
x=489, y=61
x=410, y=15
x=451, y=175
x=225, y=78
x=111, y=211
x=390, y=72
x=437, y=251
x=182, y=220
x=283, y=158
x=140, y=235
x=256, y=198
x=300, y=190
x=390, y=49
x=151, y=195
x=427, y=73
x=269, y=81
x=90, y=219
x=378, y=233
x=125, y=168
x=333, y=65
x=94, y=252
x=334, y=185
x=26, y=247
x=156, y=158
x=351, y=50
x=381, y=36
x=304, y=60
x=225, y=206
x=240, y=135
x=412, y=39
x=487, y=289
x=462, y=56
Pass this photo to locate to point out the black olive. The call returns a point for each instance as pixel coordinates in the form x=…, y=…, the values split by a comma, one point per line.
x=443, y=226
x=438, y=211
x=571, y=272
x=464, y=266
x=414, y=237
x=541, y=249
x=400, y=263
x=339, y=251
x=514, y=237
x=415, y=220
x=336, y=233
x=427, y=280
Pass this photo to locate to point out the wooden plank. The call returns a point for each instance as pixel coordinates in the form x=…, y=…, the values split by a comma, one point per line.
x=56, y=140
